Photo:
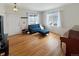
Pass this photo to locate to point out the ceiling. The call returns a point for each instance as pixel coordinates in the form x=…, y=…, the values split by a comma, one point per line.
x=39, y=6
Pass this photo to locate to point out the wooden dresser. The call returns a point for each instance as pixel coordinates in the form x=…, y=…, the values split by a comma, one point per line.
x=72, y=43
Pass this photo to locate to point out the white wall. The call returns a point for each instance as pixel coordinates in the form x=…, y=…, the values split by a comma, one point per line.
x=69, y=17
x=43, y=18
x=10, y=20
x=13, y=24
x=14, y=20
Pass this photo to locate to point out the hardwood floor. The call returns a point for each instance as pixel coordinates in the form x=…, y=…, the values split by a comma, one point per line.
x=35, y=45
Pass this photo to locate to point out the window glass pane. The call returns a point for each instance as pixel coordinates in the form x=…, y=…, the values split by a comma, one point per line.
x=53, y=19
x=33, y=19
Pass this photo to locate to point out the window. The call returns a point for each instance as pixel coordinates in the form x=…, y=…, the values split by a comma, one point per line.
x=54, y=19
x=33, y=19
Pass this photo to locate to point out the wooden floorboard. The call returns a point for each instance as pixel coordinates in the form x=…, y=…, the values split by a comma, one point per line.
x=34, y=45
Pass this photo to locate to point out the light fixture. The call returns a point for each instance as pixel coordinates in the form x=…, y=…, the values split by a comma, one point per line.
x=15, y=8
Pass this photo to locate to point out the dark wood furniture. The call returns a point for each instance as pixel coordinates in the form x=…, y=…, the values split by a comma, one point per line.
x=3, y=39
x=72, y=43
x=4, y=47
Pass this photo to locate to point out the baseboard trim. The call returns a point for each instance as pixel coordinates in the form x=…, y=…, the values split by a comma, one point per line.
x=14, y=34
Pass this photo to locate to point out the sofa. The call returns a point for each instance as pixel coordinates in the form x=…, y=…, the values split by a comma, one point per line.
x=36, y=28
